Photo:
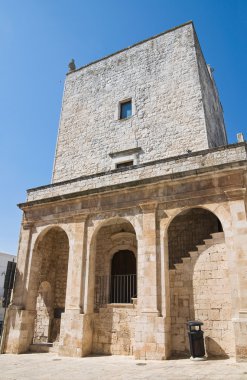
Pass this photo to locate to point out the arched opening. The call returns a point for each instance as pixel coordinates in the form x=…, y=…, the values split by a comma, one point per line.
x=114, y=261
x=50, y=280
x=198, y=279
x=123, y=277
x=189, y=229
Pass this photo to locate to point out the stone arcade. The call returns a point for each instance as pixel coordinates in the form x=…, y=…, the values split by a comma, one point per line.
x=144, y=225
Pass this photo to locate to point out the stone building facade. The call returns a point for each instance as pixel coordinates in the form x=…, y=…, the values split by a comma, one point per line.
x=144, y=225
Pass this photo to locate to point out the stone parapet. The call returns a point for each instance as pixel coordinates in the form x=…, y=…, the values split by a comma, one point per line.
x=169, y=168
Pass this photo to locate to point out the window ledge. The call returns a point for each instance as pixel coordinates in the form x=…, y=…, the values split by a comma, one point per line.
x=126, y=118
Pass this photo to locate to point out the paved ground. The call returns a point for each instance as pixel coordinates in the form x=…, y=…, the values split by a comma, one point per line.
x=51, y=366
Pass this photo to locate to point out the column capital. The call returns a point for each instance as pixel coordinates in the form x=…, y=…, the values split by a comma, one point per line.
x=235, y=194
x=80, y=218
x=27, y=225
x=149, y=207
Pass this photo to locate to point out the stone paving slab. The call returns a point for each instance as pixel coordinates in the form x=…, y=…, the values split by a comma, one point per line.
x=50, y=366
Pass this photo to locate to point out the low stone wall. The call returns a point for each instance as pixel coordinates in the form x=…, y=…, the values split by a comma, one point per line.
x=114, y=330
x=200, y=290
x=165, y=167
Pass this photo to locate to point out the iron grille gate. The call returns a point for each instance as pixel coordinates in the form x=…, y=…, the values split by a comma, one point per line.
x=119, y=288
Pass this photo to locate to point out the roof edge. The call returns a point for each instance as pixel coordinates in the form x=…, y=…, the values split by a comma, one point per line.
x=131, y=46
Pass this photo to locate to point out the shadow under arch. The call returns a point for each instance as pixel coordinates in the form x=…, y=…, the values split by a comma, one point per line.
x=188, y=229
x=219, y=212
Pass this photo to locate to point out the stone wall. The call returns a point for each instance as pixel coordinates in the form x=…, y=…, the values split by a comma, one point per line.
x=211, y=103
x=200, y=290
x=167, y=168
x=160, y=75
x=114, y=330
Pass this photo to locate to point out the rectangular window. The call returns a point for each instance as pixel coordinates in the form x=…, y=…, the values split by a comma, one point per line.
x=124, y=164
x=125, y=110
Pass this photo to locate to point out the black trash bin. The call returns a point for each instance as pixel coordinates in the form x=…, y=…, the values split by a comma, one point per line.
x=197, y=348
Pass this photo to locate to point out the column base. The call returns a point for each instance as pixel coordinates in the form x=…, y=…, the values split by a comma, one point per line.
x=240, y=330
x=151, y=337
x=76, y=334
x=18, y=331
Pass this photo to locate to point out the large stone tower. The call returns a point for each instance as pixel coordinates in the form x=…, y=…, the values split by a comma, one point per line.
x=174, y=107
x=144, y=225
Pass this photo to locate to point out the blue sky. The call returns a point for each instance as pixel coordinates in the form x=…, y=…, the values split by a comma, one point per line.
x=39, y=37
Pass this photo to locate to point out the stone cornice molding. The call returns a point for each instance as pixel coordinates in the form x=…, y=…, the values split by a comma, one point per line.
x=235, y=194
x=27, y=225
x=58, y=218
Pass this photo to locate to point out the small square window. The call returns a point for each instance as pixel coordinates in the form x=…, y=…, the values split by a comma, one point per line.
x=126, y=109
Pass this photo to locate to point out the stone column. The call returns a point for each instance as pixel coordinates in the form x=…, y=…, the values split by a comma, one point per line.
x=165, y=283
x=76, y=331
x=17, y=334
x=149, y=331
x=236, y=240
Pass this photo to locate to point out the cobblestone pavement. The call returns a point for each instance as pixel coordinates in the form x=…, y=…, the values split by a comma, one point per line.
x=51, y=366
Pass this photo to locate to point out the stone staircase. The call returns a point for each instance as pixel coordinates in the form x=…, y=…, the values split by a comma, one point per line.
x=44, y=347
x=217, y=238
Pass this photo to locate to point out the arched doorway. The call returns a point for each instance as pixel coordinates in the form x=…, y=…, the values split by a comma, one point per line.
x=123, y=277
x=49, y=282
x=199, y=281
x=115, y=287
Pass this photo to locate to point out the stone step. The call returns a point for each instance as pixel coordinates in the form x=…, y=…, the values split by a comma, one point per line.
x=186, y=260
x=208, y=243
x=40, y=347
x=218, y=237
x=194, y=254
x=201, y=248
x=179, y=266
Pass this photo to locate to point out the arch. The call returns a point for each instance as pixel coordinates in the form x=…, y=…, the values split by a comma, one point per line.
x=109, y=221
x=123, y=262
x=42, y=231
x=221, y=212
x=108, y=237
x=197, y=254
x=188, y=229
x=47, y=283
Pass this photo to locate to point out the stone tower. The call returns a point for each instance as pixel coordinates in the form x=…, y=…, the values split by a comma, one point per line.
x=144, y=225
x=175, y=107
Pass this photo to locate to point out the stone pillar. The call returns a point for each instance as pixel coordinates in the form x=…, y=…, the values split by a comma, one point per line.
x=149, y=331
x=165, y=283
x=76, y=330
x=17, y=334
x=236, y=240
